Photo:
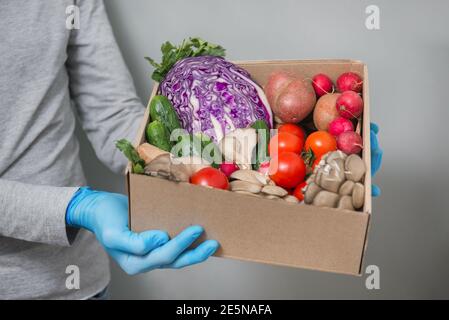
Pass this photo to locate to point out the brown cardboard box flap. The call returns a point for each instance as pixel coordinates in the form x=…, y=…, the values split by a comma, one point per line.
x=250, y=228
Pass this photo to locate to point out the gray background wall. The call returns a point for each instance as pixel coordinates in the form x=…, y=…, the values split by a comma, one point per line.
x=408, y=61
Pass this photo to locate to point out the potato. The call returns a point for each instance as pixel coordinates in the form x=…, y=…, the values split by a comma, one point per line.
x=291, y=98
x=325, y=111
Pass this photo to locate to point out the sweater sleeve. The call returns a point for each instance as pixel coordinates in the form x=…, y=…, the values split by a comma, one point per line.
x=101, y=86
x=35, y=213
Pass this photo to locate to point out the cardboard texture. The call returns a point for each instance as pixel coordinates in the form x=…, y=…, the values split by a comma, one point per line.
x=257, y=229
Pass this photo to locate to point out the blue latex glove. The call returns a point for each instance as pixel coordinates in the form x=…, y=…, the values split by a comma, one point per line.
x=376, y=156
x=106, y=215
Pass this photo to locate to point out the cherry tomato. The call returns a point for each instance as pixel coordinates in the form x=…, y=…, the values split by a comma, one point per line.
x=293, y=129
x=320, y=142
x=285, y=142
x=210, y=177
x=287, y=170
x=298, y=191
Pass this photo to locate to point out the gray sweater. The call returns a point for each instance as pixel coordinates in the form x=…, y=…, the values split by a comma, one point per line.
x=46, y=68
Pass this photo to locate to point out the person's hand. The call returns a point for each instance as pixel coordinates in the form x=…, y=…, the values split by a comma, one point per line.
x=376, y=156
x=106, y=215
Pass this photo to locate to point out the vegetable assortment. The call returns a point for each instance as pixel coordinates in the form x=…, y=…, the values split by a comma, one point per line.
x=211, y=125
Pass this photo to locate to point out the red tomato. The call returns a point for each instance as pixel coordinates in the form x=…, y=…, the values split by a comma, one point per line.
x=320, y=142
x=285, y=142
x=210, y=177
x=293, y=129
x=287, y=170
x=298, y=191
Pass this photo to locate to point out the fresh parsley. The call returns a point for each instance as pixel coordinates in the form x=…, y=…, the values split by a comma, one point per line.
x=128, y=150
x=192, y=47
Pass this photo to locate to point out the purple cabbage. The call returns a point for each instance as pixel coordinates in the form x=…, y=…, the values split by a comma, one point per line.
x=214, y=96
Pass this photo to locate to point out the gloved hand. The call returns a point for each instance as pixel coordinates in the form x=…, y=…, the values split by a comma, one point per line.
x=106, y=215
x=376, y=156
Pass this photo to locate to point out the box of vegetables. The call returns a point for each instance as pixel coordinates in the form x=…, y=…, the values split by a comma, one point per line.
x=271, y=157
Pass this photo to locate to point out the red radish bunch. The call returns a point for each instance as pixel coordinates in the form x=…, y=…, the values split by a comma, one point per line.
x=350, y=81
x=264, y=168
x=350, y=105
x=228, y=168
x=350, y=142
x=322, y=84
x=340, y=125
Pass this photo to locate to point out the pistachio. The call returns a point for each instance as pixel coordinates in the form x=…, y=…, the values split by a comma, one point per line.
x=239, y=185
x=346, y=188
x=326, y=199
x=311, y=191
x=275, y=191
x=354, y=168
x=250, y=176
x=345, y=202
x=358, y=195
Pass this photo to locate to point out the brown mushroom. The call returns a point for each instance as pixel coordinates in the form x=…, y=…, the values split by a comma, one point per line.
x=275, y=191
x=159, y=166
x=311, y=191
x=239, y=185
x=346, y=188
x=354, y=168
x=249, y=193
x=148, y=152
x=272, y=197
x=345, y=202
x=250, y=176
x=358, y=195
x=326, y=199
x=291, y=199
x=335, y=155
x=332, y=175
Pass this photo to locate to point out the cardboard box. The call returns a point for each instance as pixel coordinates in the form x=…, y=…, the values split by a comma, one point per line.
x=257, y=229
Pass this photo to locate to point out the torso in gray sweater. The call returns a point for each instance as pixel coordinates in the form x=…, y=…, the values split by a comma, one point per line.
x=44, y=68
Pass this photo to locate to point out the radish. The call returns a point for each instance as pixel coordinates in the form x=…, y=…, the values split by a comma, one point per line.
x=340, y=125
x=264, y=168
x=322, y=84
x=349, y=81
x=350, y=142
x=349, y=105
x=228, y=168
